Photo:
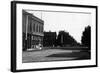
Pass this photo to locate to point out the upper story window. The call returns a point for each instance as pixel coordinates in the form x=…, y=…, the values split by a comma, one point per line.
x=36, y=28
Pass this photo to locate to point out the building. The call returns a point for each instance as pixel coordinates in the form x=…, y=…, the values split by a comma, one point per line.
x=32, y=28
x=49, y=39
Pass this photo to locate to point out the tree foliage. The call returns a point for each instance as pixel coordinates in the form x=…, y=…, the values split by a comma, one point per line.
x=64, y=39
x=86, y=37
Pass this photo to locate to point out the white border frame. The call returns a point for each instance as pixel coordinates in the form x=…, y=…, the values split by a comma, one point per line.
x=39, y=65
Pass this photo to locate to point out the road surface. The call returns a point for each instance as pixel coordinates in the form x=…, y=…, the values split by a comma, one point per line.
x=44, y=55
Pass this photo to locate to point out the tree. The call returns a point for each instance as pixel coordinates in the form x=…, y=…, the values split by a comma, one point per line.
x=65, y=39
x=86, y=37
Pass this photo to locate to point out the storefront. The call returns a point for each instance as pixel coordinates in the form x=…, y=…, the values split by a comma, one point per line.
x=32, y=31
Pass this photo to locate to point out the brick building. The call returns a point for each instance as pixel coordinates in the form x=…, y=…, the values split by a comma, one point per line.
x=49, y=39
x=32, y=28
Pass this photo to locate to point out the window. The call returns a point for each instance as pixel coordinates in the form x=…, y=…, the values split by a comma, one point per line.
x=36, y=28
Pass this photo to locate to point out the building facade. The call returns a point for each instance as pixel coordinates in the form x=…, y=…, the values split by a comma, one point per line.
x=32, y=28
x=49, y=39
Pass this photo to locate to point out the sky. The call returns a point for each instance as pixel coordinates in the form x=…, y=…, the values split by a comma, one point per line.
x=71, y=22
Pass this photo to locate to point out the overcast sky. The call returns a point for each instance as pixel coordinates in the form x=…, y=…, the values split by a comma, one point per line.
x=74, y=23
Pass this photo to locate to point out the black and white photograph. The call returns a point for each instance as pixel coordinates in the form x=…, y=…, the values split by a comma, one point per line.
x=55, y=36
x=47, y=36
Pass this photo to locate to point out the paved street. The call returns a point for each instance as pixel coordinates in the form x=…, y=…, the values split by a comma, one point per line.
x=44, y=55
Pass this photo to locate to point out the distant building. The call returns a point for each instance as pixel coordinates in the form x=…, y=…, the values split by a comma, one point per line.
x=49, y=39
x=32, y=28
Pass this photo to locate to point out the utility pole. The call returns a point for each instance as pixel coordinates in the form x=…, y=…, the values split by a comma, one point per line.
x=26, y=29
x=41, y=15
x=26, y=25
x=62, y=39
